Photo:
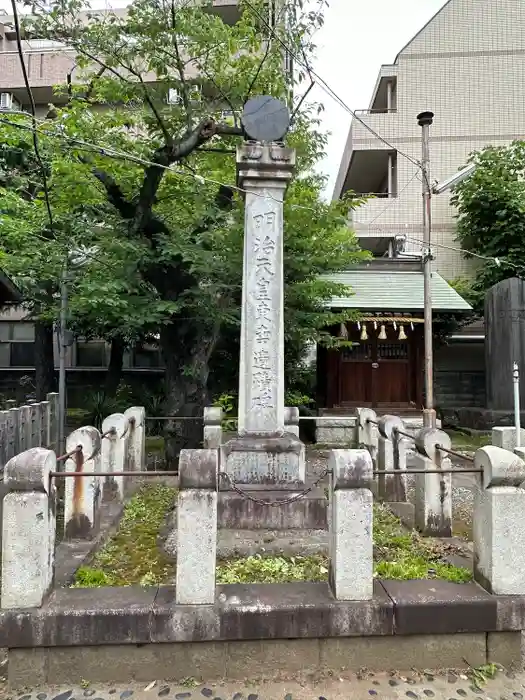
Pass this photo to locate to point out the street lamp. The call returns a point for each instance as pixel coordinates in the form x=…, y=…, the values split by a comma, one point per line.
x=425, y=120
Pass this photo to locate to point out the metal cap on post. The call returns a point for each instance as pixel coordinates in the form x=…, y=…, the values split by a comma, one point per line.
x=425, y=119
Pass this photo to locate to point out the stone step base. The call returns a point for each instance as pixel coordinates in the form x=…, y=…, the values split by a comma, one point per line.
x=245, y=543
x=307, y=513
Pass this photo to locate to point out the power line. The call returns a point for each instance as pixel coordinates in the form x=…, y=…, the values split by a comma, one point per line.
x=324, y=85
x=119, y=155
x=392, y=200
x=498, y=261
x=33, y=110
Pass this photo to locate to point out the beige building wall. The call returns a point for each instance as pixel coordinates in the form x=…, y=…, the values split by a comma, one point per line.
x=468, y=67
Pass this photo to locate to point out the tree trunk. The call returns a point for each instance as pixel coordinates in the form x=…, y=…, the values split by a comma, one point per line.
x=186, y=356
x=45, y=380
x=114, y=371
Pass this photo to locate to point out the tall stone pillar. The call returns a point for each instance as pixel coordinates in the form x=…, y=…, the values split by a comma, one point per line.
x=264, y=171
x=263, y=453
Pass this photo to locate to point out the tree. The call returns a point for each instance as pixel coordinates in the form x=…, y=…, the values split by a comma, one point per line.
x=125, y=161
x=491, y=216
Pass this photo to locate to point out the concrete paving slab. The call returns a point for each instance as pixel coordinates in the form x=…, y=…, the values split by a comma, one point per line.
x=448, y=684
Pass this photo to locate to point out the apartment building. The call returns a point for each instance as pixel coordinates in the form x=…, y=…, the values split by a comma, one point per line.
x=467, y=66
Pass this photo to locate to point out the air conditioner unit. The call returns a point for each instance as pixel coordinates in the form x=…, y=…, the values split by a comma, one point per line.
x=7, y=101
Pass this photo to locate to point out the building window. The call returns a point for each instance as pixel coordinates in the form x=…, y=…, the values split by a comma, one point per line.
x=146, y=356
x=17, y=344
x=91, y=353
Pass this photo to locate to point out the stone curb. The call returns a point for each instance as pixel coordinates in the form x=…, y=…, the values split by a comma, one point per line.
x=135, y=615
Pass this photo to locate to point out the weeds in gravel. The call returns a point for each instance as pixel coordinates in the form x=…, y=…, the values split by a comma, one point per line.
x=398, y=554
x=134, y=554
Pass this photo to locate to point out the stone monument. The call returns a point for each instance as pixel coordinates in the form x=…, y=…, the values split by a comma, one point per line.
x=263, y=454
x=504, y=345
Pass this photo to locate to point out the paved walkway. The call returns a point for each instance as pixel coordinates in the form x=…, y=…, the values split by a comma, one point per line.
x=448, y=684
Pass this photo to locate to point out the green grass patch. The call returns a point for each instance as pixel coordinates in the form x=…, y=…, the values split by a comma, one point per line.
x=469, y=443
x=398, y=554
x=134, y=554
x=154, y=444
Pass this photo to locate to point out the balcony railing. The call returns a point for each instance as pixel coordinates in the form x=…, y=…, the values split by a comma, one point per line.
x=365, y=112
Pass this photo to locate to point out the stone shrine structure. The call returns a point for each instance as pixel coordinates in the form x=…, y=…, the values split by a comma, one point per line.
x=263, y=454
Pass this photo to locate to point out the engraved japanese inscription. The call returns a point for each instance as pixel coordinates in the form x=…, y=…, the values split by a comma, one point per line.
x=264, y=248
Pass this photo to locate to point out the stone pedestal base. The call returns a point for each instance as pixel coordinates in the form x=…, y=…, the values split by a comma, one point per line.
x=274, y=461
x=269, y=468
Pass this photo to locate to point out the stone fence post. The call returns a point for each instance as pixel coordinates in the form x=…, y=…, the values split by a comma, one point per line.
x=197, y=527
x=82, y=495
x=24, y=428
x=12, y=433
x=433, y=492
x=52, y=435
x=505, y=437
x=212, y=437
x=391, y=460
x=44, y=425
x=336, y=431
x=136, y=416
x=367, y=434
x=499, y=529
x=291, y=420
x=28, y=529
x=36, y=426
x=351, y=545
x=114, y=454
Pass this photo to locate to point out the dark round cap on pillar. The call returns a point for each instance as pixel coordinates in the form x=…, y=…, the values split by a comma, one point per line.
x=425, y=118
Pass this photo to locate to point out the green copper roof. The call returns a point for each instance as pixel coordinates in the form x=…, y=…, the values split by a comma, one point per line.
x=394, y=290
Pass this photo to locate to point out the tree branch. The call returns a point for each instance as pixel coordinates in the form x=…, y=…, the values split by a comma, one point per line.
x=180, y=68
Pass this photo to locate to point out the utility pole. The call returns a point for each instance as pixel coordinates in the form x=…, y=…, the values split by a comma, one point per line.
x=425, y=120
x=62, y=349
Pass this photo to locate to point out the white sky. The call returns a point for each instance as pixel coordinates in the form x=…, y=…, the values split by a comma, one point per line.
x=356, y=39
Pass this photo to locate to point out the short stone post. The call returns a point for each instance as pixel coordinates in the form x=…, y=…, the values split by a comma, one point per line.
x=336, y=431
x=28, y=529
x=12, y=433
x=505, y=437
x=44, y=425
x=36, y=425
x=391, y=460
x=52, y=436
x=24, y=428
x=3, y=438
x=351, y=545
x=291, y=420
x=498, y=524
x=212, y=437
x=197, y=527
x=82, y=495
x=433, y=492
x=114, y=454
x=367, y=431
x=136, y=416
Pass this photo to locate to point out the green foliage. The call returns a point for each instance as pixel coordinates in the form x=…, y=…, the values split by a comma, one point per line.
x=228, y=403
x=164, y=243
x=398, y=554
x=259, y=569
x=133, y=554
x=491, y=221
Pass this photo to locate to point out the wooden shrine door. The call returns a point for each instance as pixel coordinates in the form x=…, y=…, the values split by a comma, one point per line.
x=379, y=373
